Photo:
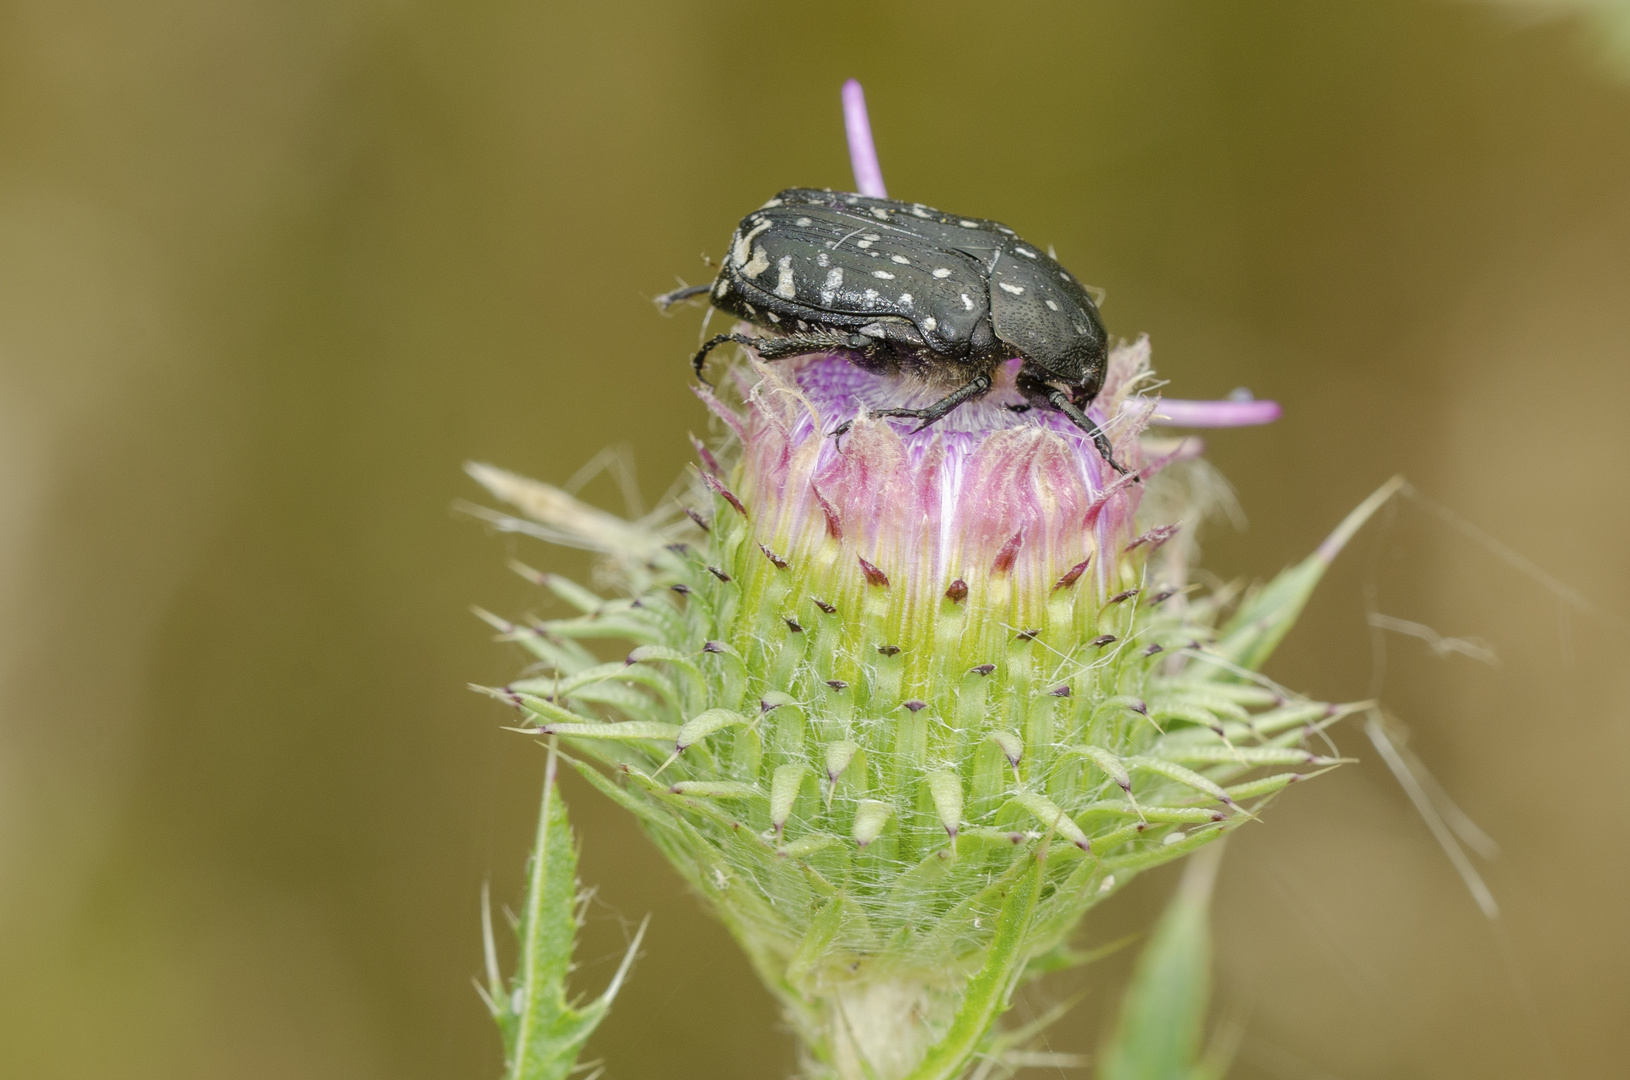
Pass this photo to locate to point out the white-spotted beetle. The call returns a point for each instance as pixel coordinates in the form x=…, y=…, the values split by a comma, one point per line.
x=903, y=288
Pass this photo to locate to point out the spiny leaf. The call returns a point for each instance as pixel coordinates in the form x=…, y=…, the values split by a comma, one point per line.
x=543, y=1033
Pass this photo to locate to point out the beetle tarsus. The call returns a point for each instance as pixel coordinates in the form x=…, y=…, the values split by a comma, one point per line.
x=712, y=343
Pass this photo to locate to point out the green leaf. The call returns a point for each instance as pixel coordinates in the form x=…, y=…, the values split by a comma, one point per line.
x=1162, y=1021
x=543, y=1033
x=1264, y=619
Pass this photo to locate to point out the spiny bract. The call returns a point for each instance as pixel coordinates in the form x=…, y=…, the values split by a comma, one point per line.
x=903, y=709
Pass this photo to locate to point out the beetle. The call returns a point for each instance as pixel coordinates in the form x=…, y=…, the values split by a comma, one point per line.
x=902, y=288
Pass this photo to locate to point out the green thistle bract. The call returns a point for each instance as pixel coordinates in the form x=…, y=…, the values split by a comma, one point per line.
x=903, y=708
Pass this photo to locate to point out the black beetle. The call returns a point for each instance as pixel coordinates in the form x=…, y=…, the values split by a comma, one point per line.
x=904, y=288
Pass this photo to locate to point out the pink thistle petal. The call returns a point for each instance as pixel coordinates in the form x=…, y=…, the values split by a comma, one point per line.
x=862, y=151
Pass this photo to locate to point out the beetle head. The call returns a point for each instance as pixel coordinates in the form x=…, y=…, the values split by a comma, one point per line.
x=1043, y=314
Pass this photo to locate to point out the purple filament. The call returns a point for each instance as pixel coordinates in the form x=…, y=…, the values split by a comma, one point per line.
x=1209, y=414
x=862, y=151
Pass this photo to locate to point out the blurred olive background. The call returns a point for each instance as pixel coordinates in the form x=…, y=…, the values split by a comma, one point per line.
x=271, y=271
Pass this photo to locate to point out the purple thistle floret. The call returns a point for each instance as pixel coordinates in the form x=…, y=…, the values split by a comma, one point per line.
x=986, y=494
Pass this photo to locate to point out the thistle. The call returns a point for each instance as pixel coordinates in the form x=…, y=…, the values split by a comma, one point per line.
x=903, y=707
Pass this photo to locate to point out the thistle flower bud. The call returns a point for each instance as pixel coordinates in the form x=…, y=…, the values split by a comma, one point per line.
x=924, y=698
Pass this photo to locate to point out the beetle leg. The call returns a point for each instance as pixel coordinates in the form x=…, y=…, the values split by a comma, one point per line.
x=1061, y=401
x=931, y=414
x=779, y=348
x=939, y=410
